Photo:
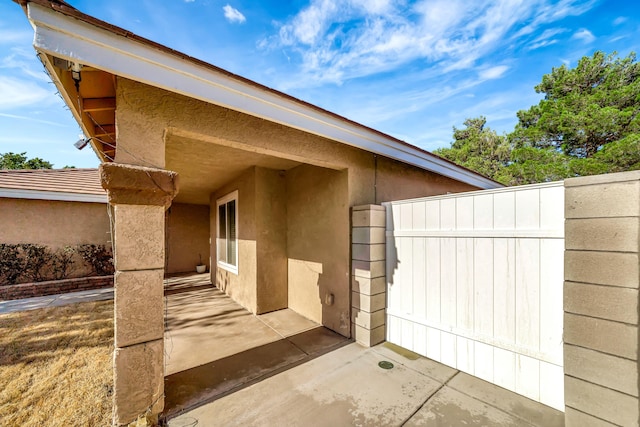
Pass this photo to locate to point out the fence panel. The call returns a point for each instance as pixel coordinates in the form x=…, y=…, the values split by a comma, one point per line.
x=475, y=281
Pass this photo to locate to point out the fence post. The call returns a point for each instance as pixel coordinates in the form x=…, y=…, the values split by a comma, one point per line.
x=602, y=221
x=368, y=274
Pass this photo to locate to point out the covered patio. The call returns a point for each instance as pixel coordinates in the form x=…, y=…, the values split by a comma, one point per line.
x=214, y=346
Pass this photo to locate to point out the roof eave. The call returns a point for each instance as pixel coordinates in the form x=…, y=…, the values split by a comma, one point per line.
x=63, y=196
x=73, y=39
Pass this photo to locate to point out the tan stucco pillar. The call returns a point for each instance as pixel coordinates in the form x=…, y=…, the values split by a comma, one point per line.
x=139, y=197
x=601, y=300
x=368, y=279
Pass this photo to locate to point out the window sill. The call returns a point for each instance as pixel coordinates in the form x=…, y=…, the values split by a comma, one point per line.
x=228, y=267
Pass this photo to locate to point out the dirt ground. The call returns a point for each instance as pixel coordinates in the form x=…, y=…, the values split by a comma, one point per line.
x=55, y=366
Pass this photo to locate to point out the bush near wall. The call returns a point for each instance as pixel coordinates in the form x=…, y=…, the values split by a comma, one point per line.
x=29, y=262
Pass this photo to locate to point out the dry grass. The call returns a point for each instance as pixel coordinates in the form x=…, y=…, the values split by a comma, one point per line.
x=55, y=366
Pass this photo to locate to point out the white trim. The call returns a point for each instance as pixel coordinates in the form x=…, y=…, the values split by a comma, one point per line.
x=52, y=195
x=73, y=39
x=233, y=196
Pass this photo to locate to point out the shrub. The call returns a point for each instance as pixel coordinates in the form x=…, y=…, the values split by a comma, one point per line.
x=36, y=259
x=98, y=257
x=11, y=263
x=61, y=262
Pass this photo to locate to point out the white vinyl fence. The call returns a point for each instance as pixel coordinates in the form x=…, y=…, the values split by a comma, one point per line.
x=474, y=281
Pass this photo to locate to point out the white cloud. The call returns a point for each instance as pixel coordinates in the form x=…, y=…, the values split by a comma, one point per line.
x=233, y=15
x=8, y=36
x=26, y=62
x=619, y=20
x=32, y=119
x=584, y=35
x=189, y=1
x=15, y=93
x=340, y=40
x=493, y=72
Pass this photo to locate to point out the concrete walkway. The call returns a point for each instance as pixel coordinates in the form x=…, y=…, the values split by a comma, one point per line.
x=348, y=387
x=55, y=300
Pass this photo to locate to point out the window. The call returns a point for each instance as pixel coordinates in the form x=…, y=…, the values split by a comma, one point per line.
x=227, y=241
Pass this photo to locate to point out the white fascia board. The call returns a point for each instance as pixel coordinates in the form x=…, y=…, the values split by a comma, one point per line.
x=11, y=193
x=75, y=40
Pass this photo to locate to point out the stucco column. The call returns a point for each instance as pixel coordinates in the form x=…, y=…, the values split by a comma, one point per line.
x=139, y=196
x=368, y=278
x=601, y=300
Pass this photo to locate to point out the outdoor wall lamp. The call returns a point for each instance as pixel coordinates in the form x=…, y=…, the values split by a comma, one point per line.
x=75, y=74
x=82, y=142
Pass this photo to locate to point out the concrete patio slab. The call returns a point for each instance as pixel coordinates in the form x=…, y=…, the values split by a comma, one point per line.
x=450, y=408
x=347, y=387
x=344, y=387
x=527, y=410
x=215, y=346
x=206, y=325
x=431, y=368
x=287, y=322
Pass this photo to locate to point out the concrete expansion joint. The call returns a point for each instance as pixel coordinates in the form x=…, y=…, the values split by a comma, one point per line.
x=429, y=398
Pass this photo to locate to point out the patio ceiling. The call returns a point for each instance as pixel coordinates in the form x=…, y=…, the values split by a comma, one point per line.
x=205, y=166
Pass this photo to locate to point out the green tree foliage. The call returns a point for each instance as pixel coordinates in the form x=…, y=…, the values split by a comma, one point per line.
x=588, y=123
x=478, y=148
x=584, y=108
x=20, y=161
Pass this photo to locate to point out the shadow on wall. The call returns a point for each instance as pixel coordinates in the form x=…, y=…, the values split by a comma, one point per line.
x=318, y=246
x=392, y=260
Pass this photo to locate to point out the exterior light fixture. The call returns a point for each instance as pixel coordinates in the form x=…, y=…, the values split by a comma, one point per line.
x=81, y=143
x=75, y=74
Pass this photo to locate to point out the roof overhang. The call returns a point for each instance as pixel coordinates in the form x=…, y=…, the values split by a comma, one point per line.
x=11, y=193
x=74, y=39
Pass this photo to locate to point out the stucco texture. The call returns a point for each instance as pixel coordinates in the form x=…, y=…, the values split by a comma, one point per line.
x=53, y=223
x=295, y=190
x=187, y=235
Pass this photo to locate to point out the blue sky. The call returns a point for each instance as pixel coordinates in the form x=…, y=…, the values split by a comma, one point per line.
x=412, y=69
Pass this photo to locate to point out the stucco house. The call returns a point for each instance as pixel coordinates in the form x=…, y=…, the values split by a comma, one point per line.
x=68, y=207
x=278, y=178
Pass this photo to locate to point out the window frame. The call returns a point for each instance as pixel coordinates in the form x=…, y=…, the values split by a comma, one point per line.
x=225, y=200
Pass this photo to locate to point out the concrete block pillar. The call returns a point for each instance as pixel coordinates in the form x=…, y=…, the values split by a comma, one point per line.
x=368, y=278
x=601, y=300
x=139, y=197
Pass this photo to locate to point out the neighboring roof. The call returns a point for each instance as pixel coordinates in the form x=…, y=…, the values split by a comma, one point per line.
x=76, y=185
x=96, y=43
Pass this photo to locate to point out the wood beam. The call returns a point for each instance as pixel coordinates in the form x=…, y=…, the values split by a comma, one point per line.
x=104, y=130
x=98, y=104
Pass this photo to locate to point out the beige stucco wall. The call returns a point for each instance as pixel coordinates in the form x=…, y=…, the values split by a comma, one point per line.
x=187, y=237
x=318, y=194
x=271, y=239
x=399, y=181
x=318, y=245
x=242, y=286
x=53, y=223
x=261, y=282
